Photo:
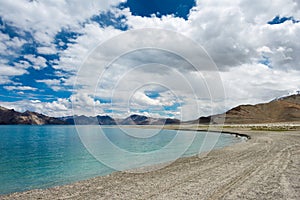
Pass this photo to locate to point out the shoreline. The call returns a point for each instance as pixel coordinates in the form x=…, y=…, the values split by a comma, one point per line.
x=237, y=156
x=178, y=128
x=248, y=137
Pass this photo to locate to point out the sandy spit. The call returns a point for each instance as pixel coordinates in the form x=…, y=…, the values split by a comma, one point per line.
x=265, y=167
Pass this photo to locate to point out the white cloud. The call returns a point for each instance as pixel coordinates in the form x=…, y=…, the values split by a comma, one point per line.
x=46, y=18
x=22, y=88
x=4, y=80
x=234, y=32
x=22, y=64
x=43, y=20
x=250, y=84
x=58, y=108
x=85, y=104
x=264, y=49
x=6, y=70
x=49, y=81
x=54, y=84
x=38, y=62
x=10, y=43
x=47, y=50
x=72, y=58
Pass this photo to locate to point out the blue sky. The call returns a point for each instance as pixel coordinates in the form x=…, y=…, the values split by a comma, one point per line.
x=44, y=44
x=178, y=8
x=280, y=20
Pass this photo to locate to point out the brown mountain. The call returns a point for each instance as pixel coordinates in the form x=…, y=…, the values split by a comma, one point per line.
x=10, y=116
x=285, y=109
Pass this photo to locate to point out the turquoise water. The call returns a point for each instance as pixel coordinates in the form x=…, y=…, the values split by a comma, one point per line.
x=34, y=157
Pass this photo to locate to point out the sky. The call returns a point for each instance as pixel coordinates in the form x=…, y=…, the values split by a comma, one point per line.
x=118, y=57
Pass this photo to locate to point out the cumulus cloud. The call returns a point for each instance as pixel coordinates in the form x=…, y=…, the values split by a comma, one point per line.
x=36, y=24
x=232, y=31
x=45, y=18
x=250, y=84
x=257, y=61
x=92, y=35
x=58, y=108
x=38, y=62
x=9, y=47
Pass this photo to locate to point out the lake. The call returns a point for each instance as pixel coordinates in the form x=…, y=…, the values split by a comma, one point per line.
x=34, y=157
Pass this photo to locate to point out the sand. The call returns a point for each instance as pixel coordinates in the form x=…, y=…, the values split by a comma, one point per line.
x=265, y=167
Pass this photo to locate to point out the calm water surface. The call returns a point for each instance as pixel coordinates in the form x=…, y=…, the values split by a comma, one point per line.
x=44, y=156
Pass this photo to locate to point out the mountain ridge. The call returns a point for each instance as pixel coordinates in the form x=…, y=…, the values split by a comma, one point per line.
x=12, y=117
x=283, y=109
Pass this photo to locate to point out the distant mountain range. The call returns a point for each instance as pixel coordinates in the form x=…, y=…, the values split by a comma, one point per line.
x=107, y=120
x=284, y=109
x=8, y=116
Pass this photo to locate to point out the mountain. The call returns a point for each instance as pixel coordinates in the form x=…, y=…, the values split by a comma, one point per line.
x=10, y=116
x=284, y=109
x=136, y=120
x=143, y=120
x=107, y=120
x=84, y=120
x=200, y=120
x=80, y=120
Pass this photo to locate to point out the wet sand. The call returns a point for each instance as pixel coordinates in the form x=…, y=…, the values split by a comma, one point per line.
x=265, y=167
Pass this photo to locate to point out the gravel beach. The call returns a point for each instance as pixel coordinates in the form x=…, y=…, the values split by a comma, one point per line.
x=265, y=167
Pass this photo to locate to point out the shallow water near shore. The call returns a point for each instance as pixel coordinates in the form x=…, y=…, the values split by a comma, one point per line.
x=33, y=157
